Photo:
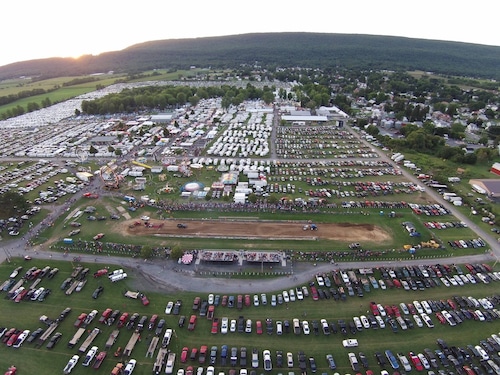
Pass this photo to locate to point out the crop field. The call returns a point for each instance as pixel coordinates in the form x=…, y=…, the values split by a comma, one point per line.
x=39, y=359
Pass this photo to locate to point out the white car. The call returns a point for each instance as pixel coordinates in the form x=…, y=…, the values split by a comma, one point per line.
x=21, y=338
x=210, y=370
x=145, y=218
x=168, y=309
x=211, y=299
x=292, y=295
x=130, y=367
x=350, y=343
x=418, y=321
x=14, y=273
x=71, y=364
x=224, y=325
x=279, y=327
x=286, y=297
x=268, y=365
x=305, y=327
x=90, y=356
x=289, y=359
x=256, y=301
x=380, y=321
x=365, y=322
x=300, y=295
x=248, y=327
x=232, y=325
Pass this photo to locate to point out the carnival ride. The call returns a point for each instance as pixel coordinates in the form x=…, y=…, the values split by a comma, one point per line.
x=109, y=177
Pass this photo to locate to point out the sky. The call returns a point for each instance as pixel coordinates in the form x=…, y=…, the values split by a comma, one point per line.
x=33, y=29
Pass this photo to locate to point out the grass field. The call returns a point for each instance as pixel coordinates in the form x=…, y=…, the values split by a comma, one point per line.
x=42, y=361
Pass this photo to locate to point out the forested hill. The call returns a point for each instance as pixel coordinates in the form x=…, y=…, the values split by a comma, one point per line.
x=279, y=49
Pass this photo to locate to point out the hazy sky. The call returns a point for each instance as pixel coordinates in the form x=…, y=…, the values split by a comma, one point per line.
x=33, y=29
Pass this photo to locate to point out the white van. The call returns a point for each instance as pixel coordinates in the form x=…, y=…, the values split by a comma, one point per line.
x=115, y=273
x=118, y=277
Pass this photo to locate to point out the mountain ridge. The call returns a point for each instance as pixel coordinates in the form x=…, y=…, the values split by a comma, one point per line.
x=311, y=50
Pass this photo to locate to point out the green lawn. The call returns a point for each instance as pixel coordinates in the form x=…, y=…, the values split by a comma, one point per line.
x=42, y=361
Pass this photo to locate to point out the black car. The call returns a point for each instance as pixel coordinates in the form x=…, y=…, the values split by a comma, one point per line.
x=159, y=327
x=241, y=324
x=177, y=307
x=279, y=358
x=312, y=364
x=342, y=326
x=182, y=320
x=64, y=314
x=302, y=361
x=114, y=315
x=243, y=357
x=269, y=326
x=380, y=359
x=54, y=340
x=44, y=294
x=97, y=292
x=34, y=335
x=203, y=308
x=363, y=359
x=286, y=325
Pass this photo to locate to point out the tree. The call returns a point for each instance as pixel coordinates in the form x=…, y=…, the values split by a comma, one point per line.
x=176, y=252
x=373, y=130
x=111, y=149
x=118, y=152
x=92, y=150
x=146, y=252
x=13, y=205
x=252, y=198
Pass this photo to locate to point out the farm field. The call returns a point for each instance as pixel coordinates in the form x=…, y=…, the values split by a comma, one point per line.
x=45, y=361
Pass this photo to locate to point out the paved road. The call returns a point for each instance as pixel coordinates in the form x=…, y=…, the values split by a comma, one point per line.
x=168, y=276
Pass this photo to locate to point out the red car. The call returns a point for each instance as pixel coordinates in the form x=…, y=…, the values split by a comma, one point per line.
x=105, y=315
x=80, y=319
x=452, y=304
x=21, y=295
x=123, y=320
x=215, y=326
x=192, y=323
x=152, y=322
x=7, y=335
x=395, y=311
x=441, y=318
x=374, y=308
x=101, y=272
x=388, y=310
x=13, y=338
x=396, y=283
x=224, y=301
x=184, y=354
x=99, y=359
x=259, y=327
x=144, y=300
x=416, y=361
x=247, y=300
x=11, y=371
x=189, y=370
x=203, y=354
x=412, y=309
x=314, y=293
x=196, y=303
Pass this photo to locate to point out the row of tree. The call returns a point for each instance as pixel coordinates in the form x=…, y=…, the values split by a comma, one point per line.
x=161, y=98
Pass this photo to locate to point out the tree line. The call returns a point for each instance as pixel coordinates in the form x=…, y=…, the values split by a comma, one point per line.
x=168, y=97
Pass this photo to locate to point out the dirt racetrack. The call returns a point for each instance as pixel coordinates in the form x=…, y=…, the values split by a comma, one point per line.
x=233, y=228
